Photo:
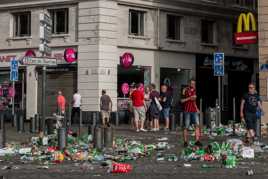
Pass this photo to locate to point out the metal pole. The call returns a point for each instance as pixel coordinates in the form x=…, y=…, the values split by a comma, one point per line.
x=44, y=98
x=13, y=99
x=219, y=98
x=234, y=115
x=201, y=113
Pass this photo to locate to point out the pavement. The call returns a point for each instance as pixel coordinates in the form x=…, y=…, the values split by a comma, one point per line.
x=147, y=167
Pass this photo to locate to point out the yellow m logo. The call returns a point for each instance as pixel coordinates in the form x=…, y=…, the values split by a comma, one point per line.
x=246, y=23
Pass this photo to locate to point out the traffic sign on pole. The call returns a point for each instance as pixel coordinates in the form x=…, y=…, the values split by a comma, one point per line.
x=14, y=68
x=218, y=64
x=39, y=61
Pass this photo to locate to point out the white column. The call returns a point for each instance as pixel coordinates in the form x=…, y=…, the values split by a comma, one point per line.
x=31, y=91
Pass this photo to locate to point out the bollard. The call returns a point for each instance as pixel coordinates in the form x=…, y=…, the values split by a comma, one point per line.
x=94, y=118
x=218, y=113
x=234, y=115
x=62, y=138
x=21, y=122
x=108, y=137
x=37, y=123
x=98, y=138
x=91, y=130
x=32, y=125
x=172, y=122
x=201, y=114
x=50, y=126
x=2, y=132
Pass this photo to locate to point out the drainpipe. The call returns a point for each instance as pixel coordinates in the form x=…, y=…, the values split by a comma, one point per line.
x=157, y=62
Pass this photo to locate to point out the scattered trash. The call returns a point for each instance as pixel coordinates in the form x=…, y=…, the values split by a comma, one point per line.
x=250, y=172
x=120, y=168
x=187, y=165
x=247, y=152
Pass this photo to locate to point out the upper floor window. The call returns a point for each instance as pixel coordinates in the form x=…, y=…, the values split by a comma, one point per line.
x=173, y=27
x=208, y=31
x=22, y=24
x=136, y=22
x=251, y=4
x=60, y=21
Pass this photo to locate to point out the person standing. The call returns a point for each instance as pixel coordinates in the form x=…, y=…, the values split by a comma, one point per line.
x=106, y=108
x=147, y=99
x=154, y=107
x=166, y=100
x=248, y=109
x=191, y=113
x=61, y=103
x=137, y=98
x=76, y=103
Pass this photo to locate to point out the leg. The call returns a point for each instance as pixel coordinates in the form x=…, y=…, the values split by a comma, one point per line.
x=186, y=126
x=136, y=118
x=197, y=126
x=166, y=115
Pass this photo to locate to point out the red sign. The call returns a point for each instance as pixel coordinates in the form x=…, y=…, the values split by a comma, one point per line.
x=70, y=55
x=125, y=88
x=127, y=60
x=246, y=38
x=30, y=53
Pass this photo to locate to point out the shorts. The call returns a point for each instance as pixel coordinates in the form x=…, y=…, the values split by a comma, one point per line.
x=105, y=115
x=251, y=120
x=165, y=112
x=139, y=113
x=154, y=112
x=190, y=118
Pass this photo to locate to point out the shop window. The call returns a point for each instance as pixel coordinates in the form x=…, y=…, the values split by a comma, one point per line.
x=22, y=26
x=207, y=31
x=136, y=23
x=173, y=27
x=60, y=21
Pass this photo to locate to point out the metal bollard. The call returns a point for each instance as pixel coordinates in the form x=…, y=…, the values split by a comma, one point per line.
x=32, y=125
x=172, y=122
x=21, y=122
x=108, y=137
x=234, y=115
x=37, y=123
x=50, y=126
x=218, y=113
x=2, y=132
x=91, y=130
x=62, y=138
x=98, y=138
x=94, y=118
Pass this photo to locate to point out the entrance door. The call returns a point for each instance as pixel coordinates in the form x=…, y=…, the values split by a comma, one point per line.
x=176, y=79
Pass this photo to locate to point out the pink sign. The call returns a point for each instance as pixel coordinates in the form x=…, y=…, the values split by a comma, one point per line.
x=30, y=53
x=70, y=55
x=127, y=60
x=125, y=88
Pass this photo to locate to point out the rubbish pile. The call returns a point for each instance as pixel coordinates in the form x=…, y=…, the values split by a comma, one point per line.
x=227, y=153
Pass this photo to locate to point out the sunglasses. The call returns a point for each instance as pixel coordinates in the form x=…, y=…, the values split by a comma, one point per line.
x=251, y=87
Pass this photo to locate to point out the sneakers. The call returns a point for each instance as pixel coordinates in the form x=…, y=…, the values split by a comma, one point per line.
x=143, y=130
x=137, y=130
x=198, y=143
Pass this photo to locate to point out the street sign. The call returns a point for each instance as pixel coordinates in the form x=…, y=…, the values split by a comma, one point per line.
x=45, y=19
x=14, y=68
x=39, y=61
x=45, y=33
x=44, y=48
x=218, y=64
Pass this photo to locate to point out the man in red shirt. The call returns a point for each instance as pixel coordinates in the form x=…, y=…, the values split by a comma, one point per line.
x=191, y=113
x=137, y=98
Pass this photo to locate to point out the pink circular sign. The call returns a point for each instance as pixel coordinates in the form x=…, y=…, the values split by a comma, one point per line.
x=70, y=55
x=30, y=53
x=125, y=88
x=11, y=92
x=127, y=60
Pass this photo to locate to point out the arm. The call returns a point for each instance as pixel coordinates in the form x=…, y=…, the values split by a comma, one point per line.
x=242, y=108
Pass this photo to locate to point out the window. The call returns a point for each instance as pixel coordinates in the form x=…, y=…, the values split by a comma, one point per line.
x=60, y=21
x=22, y=26
x=173, y=27
x=207, y=31
x=136, y=23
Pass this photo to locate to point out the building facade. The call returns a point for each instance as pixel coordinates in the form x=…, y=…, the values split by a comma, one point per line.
x=171, y=42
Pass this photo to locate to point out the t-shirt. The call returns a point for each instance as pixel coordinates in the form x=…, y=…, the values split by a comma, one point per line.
x=251, y=102
x=105, y=102
x=168, y=99
x=137, y=98
x=190, y=105
x=76, y=100
x=61, y=102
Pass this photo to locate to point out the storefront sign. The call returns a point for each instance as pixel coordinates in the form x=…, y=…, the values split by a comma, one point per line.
x=125, y=88
x=39, y=61
x=30, y=53
x=11, y=92
x=127, y=60
x=246, y=29
x=70, y=55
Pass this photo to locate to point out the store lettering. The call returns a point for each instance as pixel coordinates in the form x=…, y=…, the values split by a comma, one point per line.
x=6, y=58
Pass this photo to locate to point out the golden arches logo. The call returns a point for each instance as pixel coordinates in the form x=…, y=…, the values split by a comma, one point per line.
x=249, y=22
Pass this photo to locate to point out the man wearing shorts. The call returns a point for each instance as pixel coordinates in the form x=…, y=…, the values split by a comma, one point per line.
x=137, y=98
x=191, y=113
x=249, y=104
x=166, y=101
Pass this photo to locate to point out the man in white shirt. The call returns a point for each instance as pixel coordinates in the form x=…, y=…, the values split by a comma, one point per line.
x=76, y=106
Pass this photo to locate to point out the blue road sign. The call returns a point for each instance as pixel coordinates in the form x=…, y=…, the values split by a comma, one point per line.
x=218, y=64
x=14, y=70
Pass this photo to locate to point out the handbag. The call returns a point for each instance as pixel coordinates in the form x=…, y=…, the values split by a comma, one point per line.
x=159, y=107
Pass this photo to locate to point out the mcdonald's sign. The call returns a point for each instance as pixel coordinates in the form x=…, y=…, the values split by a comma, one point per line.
x=246, y=29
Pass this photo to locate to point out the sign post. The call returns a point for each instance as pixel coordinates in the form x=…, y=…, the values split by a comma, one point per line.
x=219, y=72
x=45, y=37
x=14, y=75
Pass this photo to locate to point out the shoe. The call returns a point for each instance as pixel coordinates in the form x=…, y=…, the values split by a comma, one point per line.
x=137, y=130
x=198, y=143
x=166, y=129
x=157, y=129
x=185, y=144
x=143, y=130
x=153, y=129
